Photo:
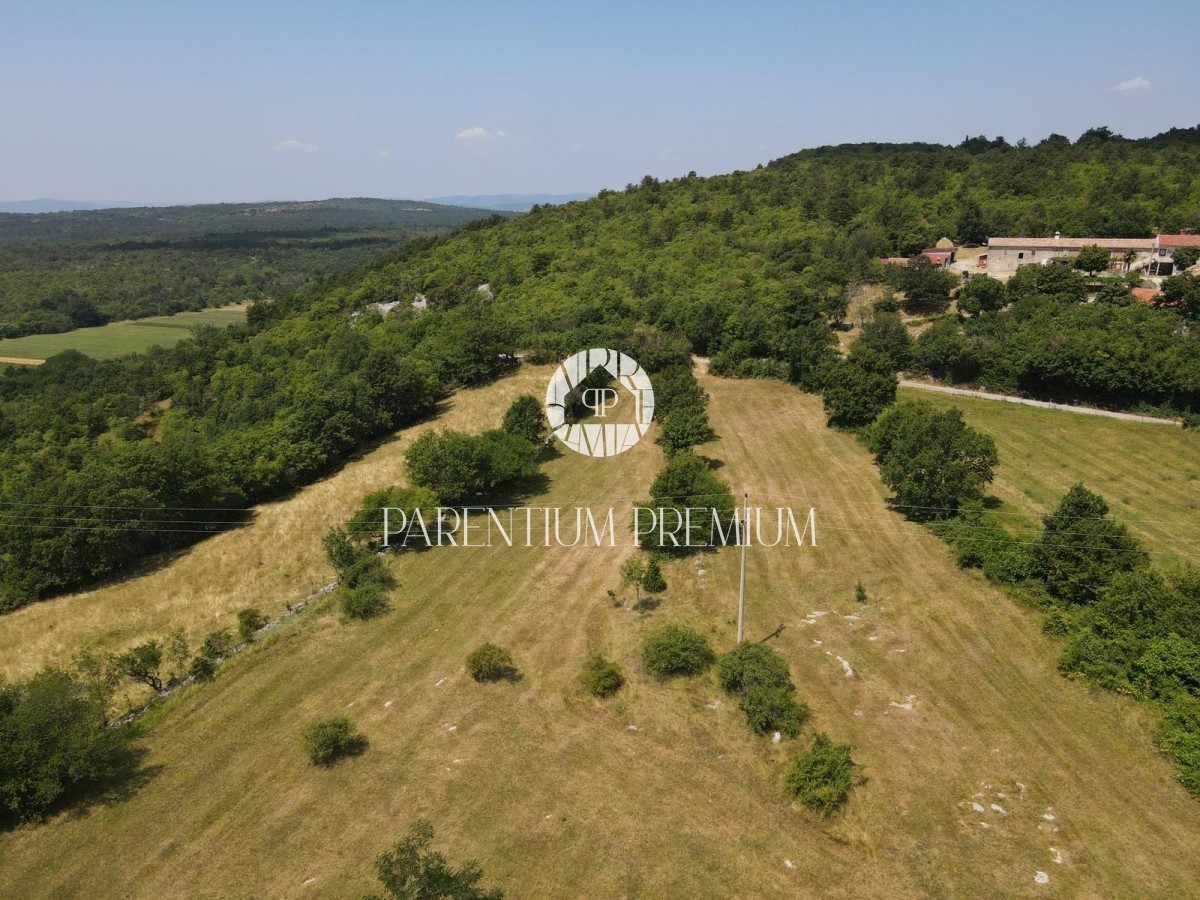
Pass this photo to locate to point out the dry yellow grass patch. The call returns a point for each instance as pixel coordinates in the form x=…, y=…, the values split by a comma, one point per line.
x=559, y=796
x=274, y=560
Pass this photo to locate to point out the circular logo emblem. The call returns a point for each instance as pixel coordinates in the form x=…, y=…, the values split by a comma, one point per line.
x=630, y=385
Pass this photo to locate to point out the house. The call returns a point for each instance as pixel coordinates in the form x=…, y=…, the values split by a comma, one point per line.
x=939, y=256
x=901, y=261
x=1007, y=254
x=1167, y=245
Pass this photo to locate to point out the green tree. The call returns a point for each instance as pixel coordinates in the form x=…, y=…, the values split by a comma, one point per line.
x=412, y=871
x=931, y=459
x=886, y=333
x=633, y=574
x=1182, y=292
x=366, y=525
x=685, y=482
x=673, y=650
x=1092, y=258
x=526, y=418
x=143, y=663
x=250, y=622
x=926, y=286
x=450, y=464
x=54, y=739
x=1081, y=548
x=653, y=580
x=1185, y=257
x=489, y=662
x=982, y=295
x=859, y=389
x=328, y=740
x=821, y=778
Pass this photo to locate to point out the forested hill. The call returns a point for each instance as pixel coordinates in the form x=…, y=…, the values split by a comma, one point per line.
x=168, y=223
x=749, y=267
x=60, y=271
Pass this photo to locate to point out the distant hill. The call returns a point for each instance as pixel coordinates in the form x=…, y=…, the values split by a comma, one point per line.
x=509, y=202
x=47, y=205
x=65, y=270
x=176, y=222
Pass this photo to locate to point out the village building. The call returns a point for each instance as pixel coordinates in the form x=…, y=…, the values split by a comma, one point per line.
x=1152, y=256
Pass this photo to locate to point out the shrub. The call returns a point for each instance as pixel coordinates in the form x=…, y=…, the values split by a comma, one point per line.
x=653, y=580
x=752, y=665
x=203, y=668
x=674, y=650
x=526, y=418
x=860, y=593
x=250, y=621
x=411, y=871
x=601, y=677
x=822, y=776
x=328, y=740
x=216, y=645
x=488, y=662
x=54, y=739
x=857, y=390
x=774, y=708
x=366, y=601
x=366, y=525
x=142, y=663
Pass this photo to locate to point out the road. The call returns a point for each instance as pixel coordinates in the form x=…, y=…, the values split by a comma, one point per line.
x=1006, y=398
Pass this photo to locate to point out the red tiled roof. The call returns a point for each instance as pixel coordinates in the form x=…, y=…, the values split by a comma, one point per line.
x=1146, y=295
x=1072, y=243
x=1179, y=240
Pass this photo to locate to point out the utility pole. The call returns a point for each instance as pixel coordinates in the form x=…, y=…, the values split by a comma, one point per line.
x=742, y=585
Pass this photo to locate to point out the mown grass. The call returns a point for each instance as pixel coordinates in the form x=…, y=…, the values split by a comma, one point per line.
x=660, y=791
x=1149, y=474
x=121, y=338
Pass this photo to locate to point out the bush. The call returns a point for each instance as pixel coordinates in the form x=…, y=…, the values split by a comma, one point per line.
x=488, y=662
x=675, y=650
x=217, y=645
x=857, y=391
x=774, y=708
x=250, y=622
x=601, y=677
x=860, y=593
x=366, y=601
x=203, y=669
x=752, y=665
x=54, y=739
x=142, y=663
x=526, y=418
x=328, y=740
x=653, y=580
x=822, y=776
x=411, y=871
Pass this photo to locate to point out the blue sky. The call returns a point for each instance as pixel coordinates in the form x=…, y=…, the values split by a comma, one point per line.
x=187, y=102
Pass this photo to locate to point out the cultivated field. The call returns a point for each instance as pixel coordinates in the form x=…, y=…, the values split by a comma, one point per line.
x=954, y=700
x=119, y=338
x=1149, y=474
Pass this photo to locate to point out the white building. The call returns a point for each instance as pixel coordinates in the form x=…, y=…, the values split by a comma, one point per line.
x=1006, y=255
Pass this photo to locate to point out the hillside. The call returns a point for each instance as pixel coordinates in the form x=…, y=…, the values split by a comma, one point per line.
x=954, y=701
x=66, y=270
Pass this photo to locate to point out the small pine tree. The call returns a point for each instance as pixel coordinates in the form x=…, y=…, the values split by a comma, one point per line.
x=653, y=580
x=860, y=593
x=250, y=621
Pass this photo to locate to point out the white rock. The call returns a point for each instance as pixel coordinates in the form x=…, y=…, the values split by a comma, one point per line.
x=846, y=667
x=978, y=807
x=388, y=705
x=776, y=738
x=996, y=807
x=1041, y=878
x=789, y=864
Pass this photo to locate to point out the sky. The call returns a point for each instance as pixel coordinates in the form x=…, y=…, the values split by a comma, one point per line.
x=185, y=102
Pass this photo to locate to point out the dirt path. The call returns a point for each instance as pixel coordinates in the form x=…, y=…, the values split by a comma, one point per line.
x=985, y=395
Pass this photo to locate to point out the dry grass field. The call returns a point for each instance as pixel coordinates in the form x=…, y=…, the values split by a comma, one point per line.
x=985, y=766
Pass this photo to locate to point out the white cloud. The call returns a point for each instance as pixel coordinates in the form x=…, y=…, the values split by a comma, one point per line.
x=479, y=134
x=577, y=148
x=296, y=147
x=668, y=154
x=1138, y=85
x=383, y=154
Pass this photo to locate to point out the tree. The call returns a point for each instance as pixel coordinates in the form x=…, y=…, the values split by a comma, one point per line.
x=633, y=573
x=859, y=389
x=886, y=333
x=1182, y=292
x=526, y=418
x=1081, y=548
x=54, y=739
x=932, y=460
x=1115, y=292
x=653, y=580
x=488, y=662
x=685, y=482
x=450, y=464
x=142, y=663
x=412, y=871
x=1092, y=258
x=1058, y=278
x=926, y=286
x=971, y=226
x=684, y=428
x=366, y=525
x=601, y=677
x=980, y=295
x=1184, y=258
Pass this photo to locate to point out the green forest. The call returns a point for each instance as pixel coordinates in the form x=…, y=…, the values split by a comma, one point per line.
x=60, y=271
x=105, y=462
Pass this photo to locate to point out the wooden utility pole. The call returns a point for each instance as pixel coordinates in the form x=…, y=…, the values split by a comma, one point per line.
x=742, y=586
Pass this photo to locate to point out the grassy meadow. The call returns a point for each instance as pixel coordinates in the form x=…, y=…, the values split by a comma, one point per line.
x=119, y=338
x=1149, y=474
x=984, y=765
